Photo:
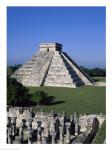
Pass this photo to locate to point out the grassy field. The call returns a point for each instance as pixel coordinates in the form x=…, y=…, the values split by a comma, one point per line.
x=99, y=79
x=100, y=137
x=89, y=99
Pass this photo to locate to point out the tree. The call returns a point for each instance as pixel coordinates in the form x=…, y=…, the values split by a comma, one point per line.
x=12, y=69
x=95, y=72
x=39, y=97
x=17, y=94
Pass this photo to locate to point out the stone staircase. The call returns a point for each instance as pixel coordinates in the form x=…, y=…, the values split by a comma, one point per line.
x=32, y=73
x=58, y=74
x=23, y=73
x=81, y=75
x=39, y=70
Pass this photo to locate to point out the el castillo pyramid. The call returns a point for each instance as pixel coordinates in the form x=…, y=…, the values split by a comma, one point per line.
x=51, y=67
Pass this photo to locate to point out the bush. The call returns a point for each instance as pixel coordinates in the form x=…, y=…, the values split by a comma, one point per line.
x=17, y=94
x=39, y=97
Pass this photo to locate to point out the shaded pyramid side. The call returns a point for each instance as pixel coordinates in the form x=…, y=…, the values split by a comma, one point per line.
x=85, y=79
x=64, y=73
x=32, y=73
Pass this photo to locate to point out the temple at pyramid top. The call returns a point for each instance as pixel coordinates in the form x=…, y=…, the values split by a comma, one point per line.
x=51, y=67
x=49, y=47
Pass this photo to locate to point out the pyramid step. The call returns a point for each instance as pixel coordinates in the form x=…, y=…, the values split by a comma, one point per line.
x=60, y=85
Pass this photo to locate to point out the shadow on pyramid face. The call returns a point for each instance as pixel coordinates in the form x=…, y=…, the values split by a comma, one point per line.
x=51, y=100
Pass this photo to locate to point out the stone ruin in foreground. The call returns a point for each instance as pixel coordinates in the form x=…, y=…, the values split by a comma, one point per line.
x=51, y=67
x=26, y=127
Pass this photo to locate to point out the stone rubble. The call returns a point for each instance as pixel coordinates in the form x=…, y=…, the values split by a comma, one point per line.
x=24, y=126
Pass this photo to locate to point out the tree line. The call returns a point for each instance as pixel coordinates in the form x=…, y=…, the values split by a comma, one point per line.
x=95, y=72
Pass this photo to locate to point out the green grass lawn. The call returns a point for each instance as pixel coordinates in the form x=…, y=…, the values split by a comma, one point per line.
x=100, y=137
x=89, y=99
x=99, y=79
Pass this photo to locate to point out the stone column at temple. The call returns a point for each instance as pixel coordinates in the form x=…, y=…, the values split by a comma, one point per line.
x=46, y=129
x=43, y=138
x=29, y=130
x=13, y=122
x=67, y=132
x=53, y=134
x=76, y=122
x=30, y=136
x=30, y=122
x=9, y=121
x=52, y=113
x=9, y=135
x=52, y=125
x=21, y=131
x=71, y=118
x=23, y=122
x=41, y=111
x=39, y=131
x=61, y=140
x=61, y=119
x=39, y=134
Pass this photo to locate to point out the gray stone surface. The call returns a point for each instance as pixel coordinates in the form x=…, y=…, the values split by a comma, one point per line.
x=50, y=127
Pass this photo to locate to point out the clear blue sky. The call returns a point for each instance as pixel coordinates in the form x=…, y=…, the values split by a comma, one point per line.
x=81, y=30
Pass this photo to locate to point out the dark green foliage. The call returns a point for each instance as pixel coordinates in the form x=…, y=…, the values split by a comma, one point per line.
x=12, y=69
x=99, y=79
x=96, y=72
x=39, y=97
x=17, y=95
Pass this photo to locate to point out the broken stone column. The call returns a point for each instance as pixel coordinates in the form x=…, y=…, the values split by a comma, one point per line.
x=29, y=123
x=21, y=132
x=61, y=134
x=76, y=122
x=30, y=136
x=9, y=121
x=61, y=119
x=20, y=129
x=53, y=135
x=23, y=122
x=64, y=114
x=67, y=132
x=9, y=135
x=41, y=111
x=39, y=134
x=46, y=128
x=25, y=134
x=21, y=110
x=71, y=118
x=29, y=130
x=52, y=125
x=39, y=131
x=43, y=138
x=39, y=123
x=13, y=122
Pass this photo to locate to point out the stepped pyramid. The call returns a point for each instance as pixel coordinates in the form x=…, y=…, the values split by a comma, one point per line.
x=51, y=67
